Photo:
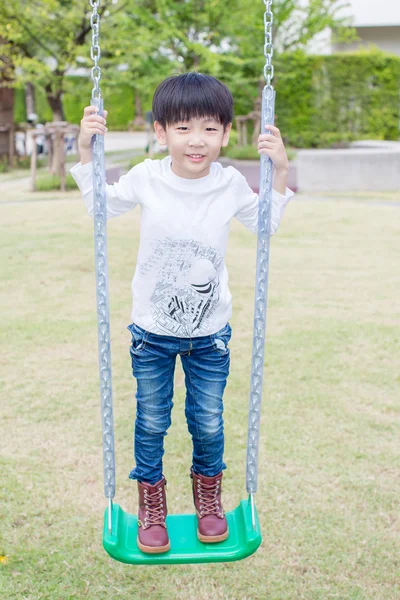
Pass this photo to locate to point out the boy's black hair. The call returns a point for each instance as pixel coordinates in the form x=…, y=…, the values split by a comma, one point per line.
x=190, y=96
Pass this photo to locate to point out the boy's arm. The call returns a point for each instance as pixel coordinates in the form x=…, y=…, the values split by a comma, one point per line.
x=280, y=181
x=86, y=156
x=247, y=212
x=271, y=145
x=121, y=196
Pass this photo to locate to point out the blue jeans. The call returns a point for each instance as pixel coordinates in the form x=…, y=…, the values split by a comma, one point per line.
x=205, y=361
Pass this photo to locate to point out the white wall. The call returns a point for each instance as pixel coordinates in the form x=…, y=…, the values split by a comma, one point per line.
x=377, y=23
x=386, y=38
x=374, y=13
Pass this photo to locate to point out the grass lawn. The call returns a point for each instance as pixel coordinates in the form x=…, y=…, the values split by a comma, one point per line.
x=329, y=483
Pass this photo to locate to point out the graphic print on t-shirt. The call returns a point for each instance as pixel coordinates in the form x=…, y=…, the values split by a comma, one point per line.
x=187, y=290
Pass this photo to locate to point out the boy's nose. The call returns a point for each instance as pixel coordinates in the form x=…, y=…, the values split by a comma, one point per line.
x=198, y=142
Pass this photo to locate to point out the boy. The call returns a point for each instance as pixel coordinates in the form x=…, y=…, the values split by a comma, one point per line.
x=181, y=299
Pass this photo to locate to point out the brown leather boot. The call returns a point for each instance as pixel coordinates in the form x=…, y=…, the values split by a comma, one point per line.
x=211, y=520
x=152, y=529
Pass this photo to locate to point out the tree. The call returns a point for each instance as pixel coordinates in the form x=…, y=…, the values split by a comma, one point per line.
x=46, y=37
x=6, y=104
x=143, y=41
x=225, y=38
x=296, y=23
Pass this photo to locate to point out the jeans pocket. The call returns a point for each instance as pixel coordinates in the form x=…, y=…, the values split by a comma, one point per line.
x=221, y=339
x=139, y=338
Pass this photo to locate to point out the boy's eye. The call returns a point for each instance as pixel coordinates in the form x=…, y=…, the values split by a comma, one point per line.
x=184, y=128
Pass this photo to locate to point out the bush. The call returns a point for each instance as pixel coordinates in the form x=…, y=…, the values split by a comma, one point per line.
x=21, y=162
x=322, y=101
x=250, y=153
x=4, y=166
x=141, y=157
x=326, y=101
x=242, y=152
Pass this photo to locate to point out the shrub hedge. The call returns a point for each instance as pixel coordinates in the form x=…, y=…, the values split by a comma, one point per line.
x=322, y=101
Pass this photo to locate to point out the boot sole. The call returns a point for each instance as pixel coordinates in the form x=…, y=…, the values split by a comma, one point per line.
x=211, y=539
x=153, y=549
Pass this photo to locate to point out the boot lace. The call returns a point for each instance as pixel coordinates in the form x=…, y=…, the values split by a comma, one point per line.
x=208, y=494
x=154, y=507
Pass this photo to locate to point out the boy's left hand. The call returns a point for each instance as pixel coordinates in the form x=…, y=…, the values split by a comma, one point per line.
x=272, y=145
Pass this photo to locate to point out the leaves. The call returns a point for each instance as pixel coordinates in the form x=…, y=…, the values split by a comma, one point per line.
x=144, y=41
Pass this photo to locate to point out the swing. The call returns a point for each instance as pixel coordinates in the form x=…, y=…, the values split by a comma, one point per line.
x=120, y=528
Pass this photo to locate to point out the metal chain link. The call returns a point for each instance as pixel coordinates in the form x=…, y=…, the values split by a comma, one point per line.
x=95, y=48
x=261, y=285
x=268, y=46
x=102, y=296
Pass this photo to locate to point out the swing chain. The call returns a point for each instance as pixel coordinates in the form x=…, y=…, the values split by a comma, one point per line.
x=262, y=271
x=102, y=296
x=268, y=46
x=95, y=48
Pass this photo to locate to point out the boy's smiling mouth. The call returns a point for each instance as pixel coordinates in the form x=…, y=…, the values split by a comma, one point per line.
x=196, y=157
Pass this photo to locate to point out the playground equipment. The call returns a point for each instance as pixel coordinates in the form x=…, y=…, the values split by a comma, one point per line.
x=120, y=528
x=54, y=135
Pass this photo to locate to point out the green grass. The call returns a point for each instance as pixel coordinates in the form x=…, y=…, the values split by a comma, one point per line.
x=21, y=163
x=46, y=182
x=329, y=484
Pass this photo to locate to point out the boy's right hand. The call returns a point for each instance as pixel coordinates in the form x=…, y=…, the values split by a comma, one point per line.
x=91, y=124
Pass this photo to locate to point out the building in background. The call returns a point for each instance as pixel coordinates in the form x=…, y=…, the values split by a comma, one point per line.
x=377, y=23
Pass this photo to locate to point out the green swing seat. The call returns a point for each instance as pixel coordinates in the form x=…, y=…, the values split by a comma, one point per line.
x=185, y=546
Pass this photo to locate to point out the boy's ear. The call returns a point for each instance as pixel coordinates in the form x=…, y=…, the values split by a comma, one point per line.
x=225, y=139
x=160, y=133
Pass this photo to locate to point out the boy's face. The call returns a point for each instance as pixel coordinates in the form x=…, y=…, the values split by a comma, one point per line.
x=193, y=145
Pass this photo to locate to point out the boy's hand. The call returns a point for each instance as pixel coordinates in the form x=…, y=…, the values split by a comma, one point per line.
x=272, y=145
x=91, y=124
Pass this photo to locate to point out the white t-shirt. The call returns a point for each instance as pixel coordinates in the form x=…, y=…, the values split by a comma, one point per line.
x=180, y=286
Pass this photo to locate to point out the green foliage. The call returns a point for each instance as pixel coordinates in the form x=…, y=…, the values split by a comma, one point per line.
x=20, y=162
x=24, y=162
x=43, y=41
x=76, y=97
x=119, y=99
x=242, y=152
x=141, y=157
x=43, y=109
x=249, y=153
x=19, y=105
x=295, y=23
x=321, y=100
x=331, y=100
x=150, y=39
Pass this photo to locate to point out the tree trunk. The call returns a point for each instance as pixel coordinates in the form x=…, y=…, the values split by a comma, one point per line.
x=30, y=99
x=7, y=143
x=54, y=98
x=138, y=120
